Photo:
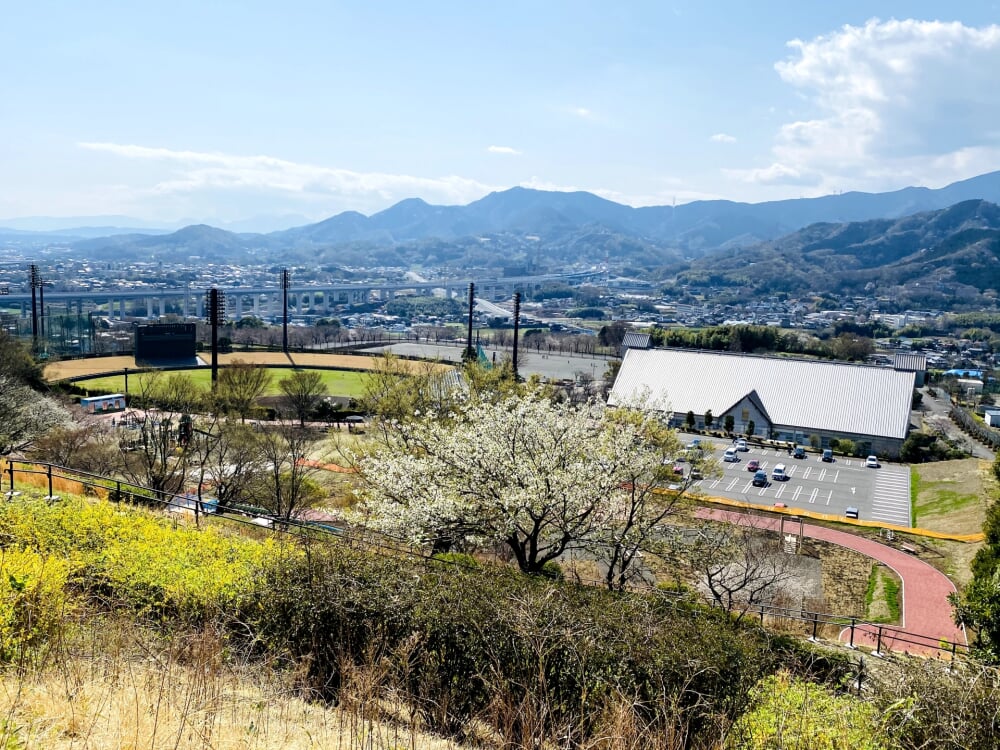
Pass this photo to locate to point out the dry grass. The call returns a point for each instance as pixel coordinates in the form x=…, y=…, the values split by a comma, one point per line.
x=178, y=696
x=952, y=495
x=845, y=579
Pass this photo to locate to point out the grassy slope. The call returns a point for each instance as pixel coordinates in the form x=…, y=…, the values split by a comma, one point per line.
x=951, y=496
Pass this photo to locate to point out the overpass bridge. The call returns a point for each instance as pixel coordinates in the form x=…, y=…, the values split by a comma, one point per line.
x=266, y=302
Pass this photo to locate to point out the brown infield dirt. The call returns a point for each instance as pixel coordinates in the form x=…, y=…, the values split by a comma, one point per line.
x=78, y=368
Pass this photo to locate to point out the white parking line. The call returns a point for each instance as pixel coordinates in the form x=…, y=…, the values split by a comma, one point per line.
x=807, y=473
x=829, y=497
x=798, y=491
x=746, y=487
x=732, y=484
x=822, y=474
x=812, y=497
x=781, y=489
x=836, y=476
x=716, y=483
x=762, y=490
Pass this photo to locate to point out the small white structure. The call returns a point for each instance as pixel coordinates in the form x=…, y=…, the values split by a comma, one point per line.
x=970, y=385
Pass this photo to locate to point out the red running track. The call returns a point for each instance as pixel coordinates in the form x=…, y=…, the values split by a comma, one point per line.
x=926, y=613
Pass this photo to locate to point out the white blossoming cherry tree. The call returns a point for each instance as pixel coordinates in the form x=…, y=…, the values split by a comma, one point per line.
x=540, y=477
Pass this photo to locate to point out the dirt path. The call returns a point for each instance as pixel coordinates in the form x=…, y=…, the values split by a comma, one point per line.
x=925, y=613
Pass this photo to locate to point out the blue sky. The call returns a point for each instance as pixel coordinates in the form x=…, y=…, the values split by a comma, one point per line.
x=296, y=111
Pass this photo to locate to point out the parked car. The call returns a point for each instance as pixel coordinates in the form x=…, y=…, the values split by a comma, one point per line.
x=871, y=462
x=741, y=444
x=778, y=474
x=851, y=512
x=827, y=454
x=679, y=469
x=760, y=478
x=753, y=464
x=730, y=456
x=799, y=452
x=696, y=443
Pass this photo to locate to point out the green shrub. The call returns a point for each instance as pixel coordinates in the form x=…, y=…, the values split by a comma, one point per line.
x=499, y=646
x=793, y=713
x=460, y=559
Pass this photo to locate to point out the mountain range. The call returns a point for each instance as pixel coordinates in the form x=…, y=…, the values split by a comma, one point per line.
x=531, y=228
x=943, y=259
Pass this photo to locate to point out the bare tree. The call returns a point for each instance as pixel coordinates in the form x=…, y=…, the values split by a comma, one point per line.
x=303, y=390
x=737, y=563
x=232, y=463
x=88, y=446
x=149, y=452
x=284, y=483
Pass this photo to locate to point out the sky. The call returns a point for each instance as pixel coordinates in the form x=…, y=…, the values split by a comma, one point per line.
x=275, y=114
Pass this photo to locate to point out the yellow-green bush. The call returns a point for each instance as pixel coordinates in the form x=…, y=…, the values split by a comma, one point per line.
x=791, y=714
x=33, y=602
x=156, y=565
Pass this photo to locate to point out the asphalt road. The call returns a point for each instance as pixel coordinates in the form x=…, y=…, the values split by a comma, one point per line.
x=881, y=494
x=935, y=410
x=552, y=365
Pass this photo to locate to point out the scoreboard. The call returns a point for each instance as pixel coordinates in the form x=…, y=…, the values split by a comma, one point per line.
x=165, y=343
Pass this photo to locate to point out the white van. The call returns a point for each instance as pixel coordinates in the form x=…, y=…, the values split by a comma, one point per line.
x=778, y=473
x=730, y=455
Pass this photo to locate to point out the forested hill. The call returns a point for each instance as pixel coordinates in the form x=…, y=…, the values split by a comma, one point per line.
x=932, y=258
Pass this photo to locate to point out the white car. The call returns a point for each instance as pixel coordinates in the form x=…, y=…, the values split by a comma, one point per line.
x=778, y=474
x=730, y=455
x=741, y=445
x=871, y=462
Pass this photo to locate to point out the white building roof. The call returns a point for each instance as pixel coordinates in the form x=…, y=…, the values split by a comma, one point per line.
x=806, y=394
x=913, y=361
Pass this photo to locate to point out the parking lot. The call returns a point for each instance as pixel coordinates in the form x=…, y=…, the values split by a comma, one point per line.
x=881, y=495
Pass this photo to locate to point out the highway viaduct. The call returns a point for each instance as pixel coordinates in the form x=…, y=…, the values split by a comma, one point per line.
x=266, y=302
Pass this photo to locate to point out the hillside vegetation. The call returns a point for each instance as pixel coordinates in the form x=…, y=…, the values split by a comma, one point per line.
x=132, y=619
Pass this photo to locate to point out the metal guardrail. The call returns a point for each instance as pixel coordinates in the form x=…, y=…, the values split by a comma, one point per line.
x=886, y=638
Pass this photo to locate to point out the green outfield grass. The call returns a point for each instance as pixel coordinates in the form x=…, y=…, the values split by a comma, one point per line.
x=338, y=382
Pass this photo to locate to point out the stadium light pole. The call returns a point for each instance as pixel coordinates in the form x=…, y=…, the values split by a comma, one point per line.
x=33, y=282
x=470, y=353
x=216, y=315
x=517, y=325
x=284, y=310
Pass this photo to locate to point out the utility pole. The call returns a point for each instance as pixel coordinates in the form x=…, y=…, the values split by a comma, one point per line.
x=216, y=316
x=470, y=353
x=284, y=310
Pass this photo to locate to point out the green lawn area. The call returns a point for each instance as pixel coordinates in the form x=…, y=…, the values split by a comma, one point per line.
x=338, y=382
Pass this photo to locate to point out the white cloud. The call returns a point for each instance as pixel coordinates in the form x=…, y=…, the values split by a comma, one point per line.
x=722, y=138
x=893, y=103
x=775, y=174
x=192, y=171
x=503, y=150
x=583, y=112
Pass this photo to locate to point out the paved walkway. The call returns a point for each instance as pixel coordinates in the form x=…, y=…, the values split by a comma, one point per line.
x=926, y=613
